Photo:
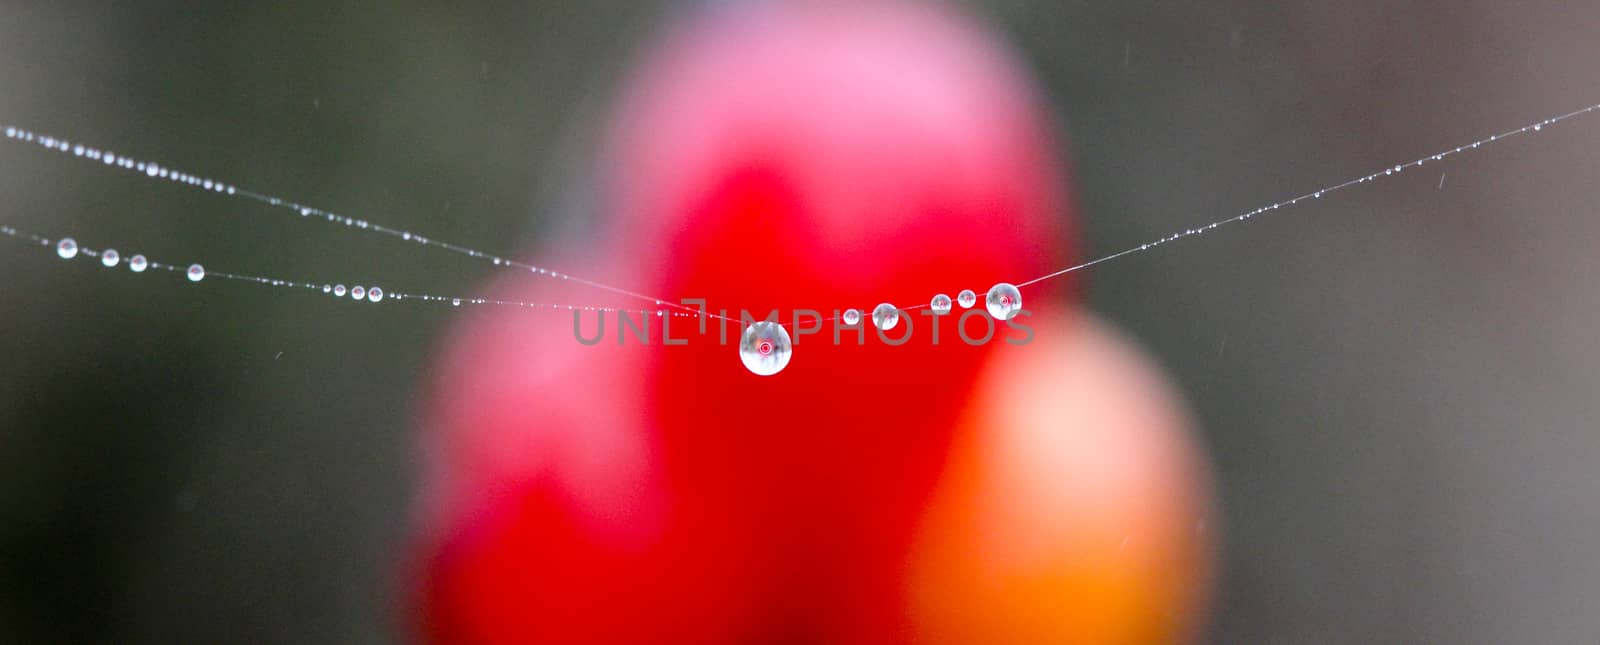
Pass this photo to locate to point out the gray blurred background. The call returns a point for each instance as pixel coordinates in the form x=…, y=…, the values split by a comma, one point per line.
x=1398, y=383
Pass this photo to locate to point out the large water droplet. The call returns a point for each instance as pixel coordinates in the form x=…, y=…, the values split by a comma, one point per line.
x=196, y=273
x=338, y=290
x=138, y=264
x=966, y=298
x=67, y=248
x=940, y=304
x=375, y=294
x=109, y=257
x=764, y=348
x=885, y=316
x=1003, y=301
x=851, y=317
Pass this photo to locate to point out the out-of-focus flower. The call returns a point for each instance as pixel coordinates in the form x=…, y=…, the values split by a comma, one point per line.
x=785, y=156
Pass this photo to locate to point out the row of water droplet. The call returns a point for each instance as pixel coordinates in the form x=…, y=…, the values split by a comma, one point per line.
x=67, y=249
x=1003, y=301
x=765, y=347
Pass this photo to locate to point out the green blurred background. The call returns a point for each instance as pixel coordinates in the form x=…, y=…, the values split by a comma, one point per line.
x=1396, y=383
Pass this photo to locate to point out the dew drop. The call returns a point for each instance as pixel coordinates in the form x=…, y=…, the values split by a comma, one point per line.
x=455, y=302
x=851, y=317
x=375, y=294
x=940, y=304
x=1003, y=301
x=966, y=298
x=338, y=290
x=764, y=348
x=67, y=248
x=109, y=257
x=327, y=288
x=196, y=273
x=138, y=264
x=357, y=292
x=885, y=316
x=1537, y=126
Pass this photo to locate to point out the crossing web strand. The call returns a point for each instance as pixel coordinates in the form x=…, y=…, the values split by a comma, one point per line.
x=158, y=172
x=1003, y=300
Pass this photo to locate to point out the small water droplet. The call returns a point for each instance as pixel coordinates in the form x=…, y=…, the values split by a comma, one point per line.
x=375, y=294
x=196, y=273
x=327, y=288
x=455, y=302
x=966, y=298
x=851, y=317
x=358, y=292
x=764, y=348
x=885, y=316
x=940, y=304
x=1537, y=126
x=67, y=248
x=138, y=264
x=109, y=257
x=1003, y=301
x=338, y=290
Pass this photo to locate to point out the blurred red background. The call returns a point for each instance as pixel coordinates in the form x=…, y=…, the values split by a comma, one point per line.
x=814, y=155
